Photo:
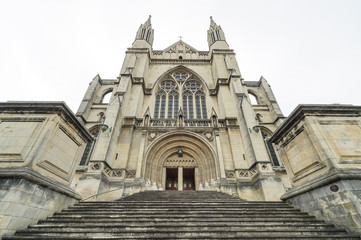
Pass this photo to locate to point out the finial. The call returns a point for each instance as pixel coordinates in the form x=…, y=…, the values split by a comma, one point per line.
x=212, y=22
x=180, y=38
x=148, y=21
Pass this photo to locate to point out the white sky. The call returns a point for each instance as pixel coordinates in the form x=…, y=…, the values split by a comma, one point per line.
x=308, y=50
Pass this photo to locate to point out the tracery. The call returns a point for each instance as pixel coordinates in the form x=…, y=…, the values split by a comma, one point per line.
x=180, y=89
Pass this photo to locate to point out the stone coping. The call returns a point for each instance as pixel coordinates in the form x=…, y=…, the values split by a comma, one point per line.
x=35, y=177
x=303, y=110
x=328, y=178
x=44, y=107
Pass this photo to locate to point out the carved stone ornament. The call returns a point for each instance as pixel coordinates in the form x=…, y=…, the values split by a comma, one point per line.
x=190, y=163
x=129, y=174
x=152, y=135
x=230, y=175
x=208, y=135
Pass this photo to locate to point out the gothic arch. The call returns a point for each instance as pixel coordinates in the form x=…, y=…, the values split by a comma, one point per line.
x=161, y=77
x=191, y=95
x=253, y=95
x=107, y=93
x=192, y=145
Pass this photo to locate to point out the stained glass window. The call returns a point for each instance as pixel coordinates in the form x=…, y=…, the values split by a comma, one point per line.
x=204, y=107
x=192, y=100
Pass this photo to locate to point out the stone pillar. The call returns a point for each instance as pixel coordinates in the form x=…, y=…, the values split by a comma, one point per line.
x=220, y=156
x=180, y=178
x=164, y=178
x=140, y=155
x=196, y=178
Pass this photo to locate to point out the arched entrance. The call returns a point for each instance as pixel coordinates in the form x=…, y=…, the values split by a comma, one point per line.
x=179, y=172
x=196, y=165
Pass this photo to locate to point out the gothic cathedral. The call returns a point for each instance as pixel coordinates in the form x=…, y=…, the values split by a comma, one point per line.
x=180, y=119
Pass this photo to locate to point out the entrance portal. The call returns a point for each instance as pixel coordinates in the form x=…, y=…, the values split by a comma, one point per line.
x=172, y=179
x=180, y=179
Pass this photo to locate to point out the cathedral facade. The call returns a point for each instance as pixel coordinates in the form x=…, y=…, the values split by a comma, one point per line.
x=180, y=119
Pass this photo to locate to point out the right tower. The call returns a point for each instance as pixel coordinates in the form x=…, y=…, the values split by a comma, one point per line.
x=180, y=119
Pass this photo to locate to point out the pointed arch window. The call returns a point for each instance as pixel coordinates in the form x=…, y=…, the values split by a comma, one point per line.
x=172, y=104
x=159, y=108
x=180, y=89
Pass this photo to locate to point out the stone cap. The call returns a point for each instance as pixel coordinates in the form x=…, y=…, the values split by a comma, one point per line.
x=302, y=110
x=45, y=107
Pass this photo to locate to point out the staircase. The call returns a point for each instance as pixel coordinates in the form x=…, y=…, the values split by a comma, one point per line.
x=181, y=215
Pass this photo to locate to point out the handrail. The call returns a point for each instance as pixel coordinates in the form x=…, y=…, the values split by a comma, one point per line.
x=113, y=190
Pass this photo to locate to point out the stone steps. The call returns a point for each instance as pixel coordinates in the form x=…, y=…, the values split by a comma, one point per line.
x=181, y=215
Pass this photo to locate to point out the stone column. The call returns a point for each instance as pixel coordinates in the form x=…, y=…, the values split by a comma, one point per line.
x=164, y=178
x=220, y=156
x=196, y=178
x=180, y=178
x=140, y=155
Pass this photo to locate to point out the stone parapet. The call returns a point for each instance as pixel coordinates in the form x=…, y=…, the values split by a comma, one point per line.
x=320, y=146
x=43, y=136
x=41, y=144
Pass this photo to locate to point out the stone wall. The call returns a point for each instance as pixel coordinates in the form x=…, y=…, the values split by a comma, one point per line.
x=320, y=147
x=41, y=144
x=26, y=197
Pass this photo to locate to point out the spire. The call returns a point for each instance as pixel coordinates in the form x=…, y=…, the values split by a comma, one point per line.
x=145, y=32
x=215, y=33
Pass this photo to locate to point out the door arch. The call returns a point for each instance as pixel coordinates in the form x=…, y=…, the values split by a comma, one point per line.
x=194, y=147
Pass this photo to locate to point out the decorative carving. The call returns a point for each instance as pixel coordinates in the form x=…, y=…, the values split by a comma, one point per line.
x=197, y=123
x=117, y=173
x=95, y=166
x=248, y=173
x=230, y=175
x=222, y=123
x=189, y=50
x=171, y=50
x=139, y=122
x=157, y=53
x=203, y=54
x=264, y=167
x=130, y=174
x=187, y=163
x=208, y=135
x=152, y=135
x=253, y=171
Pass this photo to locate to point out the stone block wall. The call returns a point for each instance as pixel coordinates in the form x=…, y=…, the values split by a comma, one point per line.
x=320, y=148
x=342, y=208
x=23, y=202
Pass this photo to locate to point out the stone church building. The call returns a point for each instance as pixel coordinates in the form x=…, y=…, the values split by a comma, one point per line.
x=179, y=119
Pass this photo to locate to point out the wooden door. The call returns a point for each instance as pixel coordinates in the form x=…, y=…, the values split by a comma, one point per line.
x=171, y=179
x=188, y=179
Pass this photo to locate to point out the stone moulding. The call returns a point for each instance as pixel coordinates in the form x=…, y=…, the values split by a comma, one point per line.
x=34, y=177
x=59, y=108
x=303, y=110
x=330, y=177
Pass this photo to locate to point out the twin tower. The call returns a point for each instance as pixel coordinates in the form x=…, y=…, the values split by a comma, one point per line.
x=180, y=119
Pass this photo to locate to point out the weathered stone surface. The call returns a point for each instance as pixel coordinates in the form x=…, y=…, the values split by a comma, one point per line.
x=25, y=202
x=181, y=215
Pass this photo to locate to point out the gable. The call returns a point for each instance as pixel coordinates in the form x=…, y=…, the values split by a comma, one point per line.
x=180, y=47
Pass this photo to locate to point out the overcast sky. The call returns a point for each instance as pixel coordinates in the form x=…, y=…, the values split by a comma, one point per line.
x=309, y=51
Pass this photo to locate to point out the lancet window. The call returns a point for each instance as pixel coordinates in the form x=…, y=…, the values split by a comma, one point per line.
x=180, y=89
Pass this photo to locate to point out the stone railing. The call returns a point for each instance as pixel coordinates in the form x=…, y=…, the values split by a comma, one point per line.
x=163, y=123
x=180, y=123
x=197, y=123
